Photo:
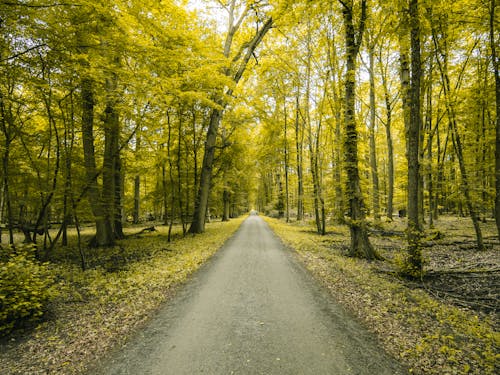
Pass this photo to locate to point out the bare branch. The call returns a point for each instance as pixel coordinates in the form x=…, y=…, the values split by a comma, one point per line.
x=40, y=6
x=24, y=52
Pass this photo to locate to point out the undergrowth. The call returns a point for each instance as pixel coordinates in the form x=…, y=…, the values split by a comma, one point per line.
x=99, y=308
x=430, y=337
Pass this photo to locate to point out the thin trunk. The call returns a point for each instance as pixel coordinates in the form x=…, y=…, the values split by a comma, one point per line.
x=337, y=147
x=281, y=198
x=298, y=149
x=179, y=174
x=373, y=149
x=137, y=181
x=164, y=191
x=430, y=136
x=390, y=150
x=404, y=67
x=6, y=122
x=457, y=142
x=311, y=136
x=287, y=198
x=171, y=181
x=226, y=202
x=6, y=191
x=496, y=69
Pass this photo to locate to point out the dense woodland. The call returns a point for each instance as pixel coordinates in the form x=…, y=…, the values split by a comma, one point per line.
x=371, y=127
x=357, y=112
x=124, y=111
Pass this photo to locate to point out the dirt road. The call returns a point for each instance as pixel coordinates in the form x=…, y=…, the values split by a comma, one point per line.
x=252, y=310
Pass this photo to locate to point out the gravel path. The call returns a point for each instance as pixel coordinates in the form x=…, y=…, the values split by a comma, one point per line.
x=252, y=309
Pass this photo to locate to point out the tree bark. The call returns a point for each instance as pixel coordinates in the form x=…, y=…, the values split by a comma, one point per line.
x=360, y=243
x=390, y=149
x=201, y=204
x=137, y=181
x=298, y=148
x=285, y=146
x=415, y=262
x=7, y=129
x=373, y=144
x=104, y=229
x=496, y=69
x=226, y=202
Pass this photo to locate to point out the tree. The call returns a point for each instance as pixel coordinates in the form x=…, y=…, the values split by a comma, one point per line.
x=496, y=70
x=235, y=72
x=415, y=263
x=360, y=243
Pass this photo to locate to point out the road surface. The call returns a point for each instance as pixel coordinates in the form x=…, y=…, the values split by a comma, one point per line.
x=253, y=309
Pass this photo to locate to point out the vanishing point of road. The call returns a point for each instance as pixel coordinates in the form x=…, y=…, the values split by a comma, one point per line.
x=252, y=309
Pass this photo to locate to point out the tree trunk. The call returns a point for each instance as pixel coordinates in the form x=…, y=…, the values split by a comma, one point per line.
x=390, y=152
x=336, y=109
x=298, y=148
x=179, y=173
x=496, y=69
x=201, y=203
x=360, y=243
x=226, y=202
x=404, y=66
x=137, y=181
x=373, y=149
x=457, y=142
x=104, y=229
x=111, y=176
x=415, y=262
x=6, y=122
x=430, y=136
x=287, y=198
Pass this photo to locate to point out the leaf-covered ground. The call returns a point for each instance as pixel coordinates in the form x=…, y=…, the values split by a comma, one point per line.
x=102, y=306
x=446, y=323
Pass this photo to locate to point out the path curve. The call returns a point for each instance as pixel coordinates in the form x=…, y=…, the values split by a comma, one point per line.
x=253, y=309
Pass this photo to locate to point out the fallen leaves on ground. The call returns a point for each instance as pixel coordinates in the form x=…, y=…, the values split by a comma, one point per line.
x=428, y=334
x=99, y=308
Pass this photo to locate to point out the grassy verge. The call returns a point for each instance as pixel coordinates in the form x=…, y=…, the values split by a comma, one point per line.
x=427, y=335
x=100, y=307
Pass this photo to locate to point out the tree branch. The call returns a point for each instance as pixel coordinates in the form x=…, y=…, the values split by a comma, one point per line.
x=24, y=52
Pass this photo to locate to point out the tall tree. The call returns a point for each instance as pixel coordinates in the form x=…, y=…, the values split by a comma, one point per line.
x=235, y=72
x=415, y=263
x=496, y=69
x=360, y=243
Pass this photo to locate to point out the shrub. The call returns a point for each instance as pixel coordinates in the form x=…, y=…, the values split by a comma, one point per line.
x=25, y=288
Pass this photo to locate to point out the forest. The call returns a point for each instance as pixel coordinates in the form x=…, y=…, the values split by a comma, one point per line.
x=128, y=124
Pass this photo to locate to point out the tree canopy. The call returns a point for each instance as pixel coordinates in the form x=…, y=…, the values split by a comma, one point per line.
x=347, y=111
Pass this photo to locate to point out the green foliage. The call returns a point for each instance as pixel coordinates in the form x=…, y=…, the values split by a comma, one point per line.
x=406, y=267
x=25, y=289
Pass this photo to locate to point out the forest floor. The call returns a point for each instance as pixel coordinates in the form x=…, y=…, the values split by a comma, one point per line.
x=446, y=322
x=456, y=273
x=99, y=308
x=253, y=309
